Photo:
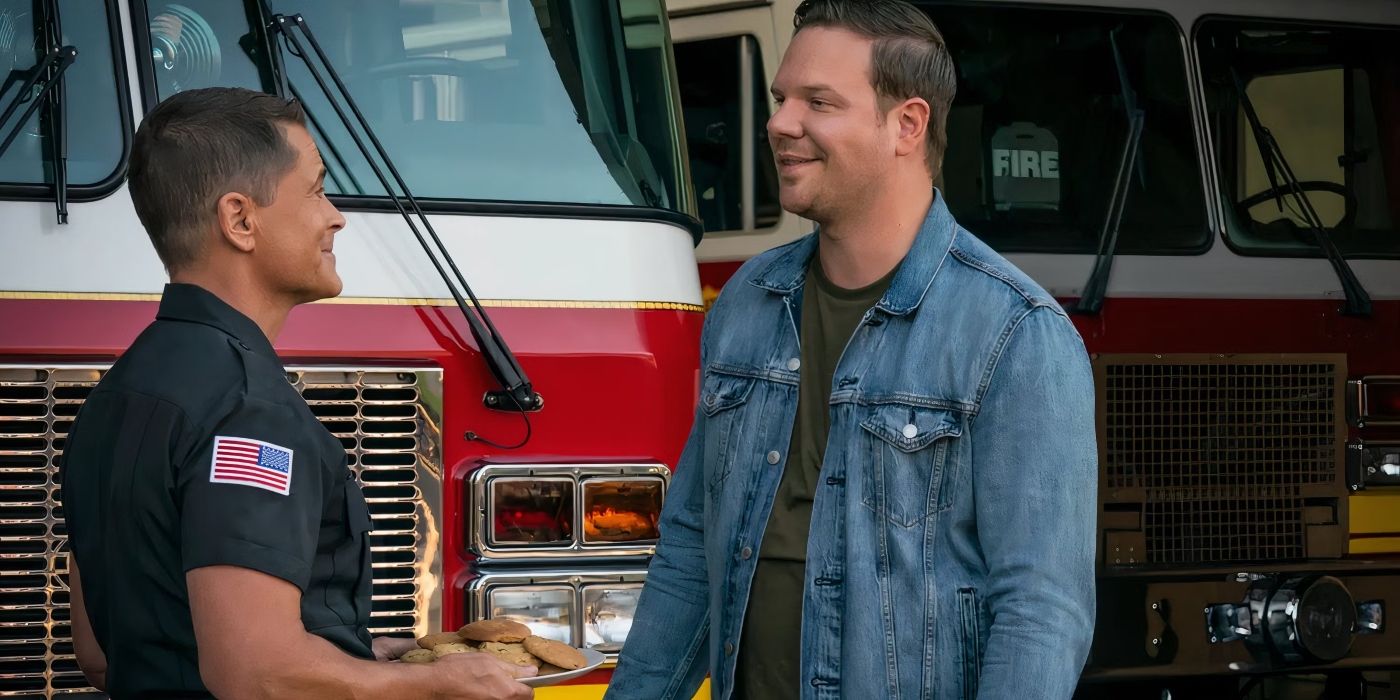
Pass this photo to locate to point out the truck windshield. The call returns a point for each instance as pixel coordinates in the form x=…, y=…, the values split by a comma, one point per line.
x=1327, y=94
x=1038, y=127
x=561, y=101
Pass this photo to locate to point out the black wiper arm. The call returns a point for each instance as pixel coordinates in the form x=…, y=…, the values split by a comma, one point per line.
x=1358, y=302
x=252, y=44
x=1091, y=299
x=518, y=392
x=58, y=113
x=1096, y=288
x=45, y=77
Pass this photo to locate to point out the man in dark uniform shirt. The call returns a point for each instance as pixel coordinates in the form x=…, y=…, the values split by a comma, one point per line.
x=222, y=539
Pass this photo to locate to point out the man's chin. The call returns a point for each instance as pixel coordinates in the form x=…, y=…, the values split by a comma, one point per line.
x=329, y=289
x=795, y=203
x=334, y=289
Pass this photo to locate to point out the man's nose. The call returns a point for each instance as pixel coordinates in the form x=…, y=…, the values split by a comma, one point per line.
x=337, y=219
x=786, y=122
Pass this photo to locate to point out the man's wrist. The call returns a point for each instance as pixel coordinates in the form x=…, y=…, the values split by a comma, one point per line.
x=432, y=683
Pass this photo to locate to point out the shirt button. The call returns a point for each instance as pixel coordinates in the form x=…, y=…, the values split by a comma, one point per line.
x=746, y=552
x=710, y=400
x=793, y=364
x=773, y=457
x=910, y=431
x=729, y=648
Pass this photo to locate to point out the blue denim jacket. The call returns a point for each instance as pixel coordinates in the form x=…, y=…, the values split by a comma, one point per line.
x=951, y=550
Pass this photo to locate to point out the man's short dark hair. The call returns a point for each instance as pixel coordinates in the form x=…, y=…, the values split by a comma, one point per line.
x=908, y=59
x=197, y=146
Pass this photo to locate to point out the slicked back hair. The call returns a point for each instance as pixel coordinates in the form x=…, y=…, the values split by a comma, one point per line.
x=908, y=57
x=197, y=146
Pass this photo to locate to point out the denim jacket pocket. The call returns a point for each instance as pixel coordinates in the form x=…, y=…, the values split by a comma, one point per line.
x=908, y=470
x=971, y=619
x=720, y=398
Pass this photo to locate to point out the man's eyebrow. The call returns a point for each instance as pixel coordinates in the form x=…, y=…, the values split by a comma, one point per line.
x=321, y=175
x=807, y=89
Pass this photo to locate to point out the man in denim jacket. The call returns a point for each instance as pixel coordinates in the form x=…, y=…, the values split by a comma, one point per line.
x=889, y=489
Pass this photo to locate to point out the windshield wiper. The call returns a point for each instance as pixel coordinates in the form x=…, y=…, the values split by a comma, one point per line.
x=518, y=394
x=44, y=87
x=1358, y=302
x=1096, y=288
x=252, y=45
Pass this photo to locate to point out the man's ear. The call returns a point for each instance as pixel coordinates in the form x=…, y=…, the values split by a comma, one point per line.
x=912, y=115
x=236, y=220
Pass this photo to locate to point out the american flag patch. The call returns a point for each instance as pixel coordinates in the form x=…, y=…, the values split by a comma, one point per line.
x=251, y=463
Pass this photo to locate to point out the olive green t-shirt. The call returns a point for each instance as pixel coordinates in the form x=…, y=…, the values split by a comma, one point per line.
x=769, y=652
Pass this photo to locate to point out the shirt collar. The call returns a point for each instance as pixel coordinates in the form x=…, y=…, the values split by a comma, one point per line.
x=911, y=283
x=193, y=304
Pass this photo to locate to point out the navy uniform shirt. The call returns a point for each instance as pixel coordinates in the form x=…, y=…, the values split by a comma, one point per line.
x=195, y=450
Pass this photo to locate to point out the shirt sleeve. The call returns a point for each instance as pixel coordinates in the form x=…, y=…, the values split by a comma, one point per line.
x=251, y=493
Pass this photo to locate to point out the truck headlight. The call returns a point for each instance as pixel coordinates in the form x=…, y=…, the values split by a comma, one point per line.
x=607, y=615
x=547, y=610
x=582, y=607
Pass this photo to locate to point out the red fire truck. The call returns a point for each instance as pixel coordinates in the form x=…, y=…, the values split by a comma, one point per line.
x=515, y=452
x=1213, y=187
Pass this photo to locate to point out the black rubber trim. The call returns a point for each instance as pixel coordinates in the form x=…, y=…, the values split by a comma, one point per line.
x=145, y=69
x=40, y=192
x=545, y=210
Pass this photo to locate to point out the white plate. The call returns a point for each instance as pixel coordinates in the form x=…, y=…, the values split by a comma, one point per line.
x=593, y=659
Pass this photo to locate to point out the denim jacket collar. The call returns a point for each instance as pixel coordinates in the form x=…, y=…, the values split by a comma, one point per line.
x=910, y=285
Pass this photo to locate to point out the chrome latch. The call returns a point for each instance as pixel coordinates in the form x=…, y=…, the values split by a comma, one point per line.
x=1370, y=617
x=1227, y=622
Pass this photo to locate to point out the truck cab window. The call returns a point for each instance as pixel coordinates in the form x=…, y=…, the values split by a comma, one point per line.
x=1326, y=94
x=711, y=80
x=91, y=92
x=1040, y=120
x=560, y=101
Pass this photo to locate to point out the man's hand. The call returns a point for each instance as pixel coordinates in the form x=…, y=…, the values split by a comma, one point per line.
x=253, y=645
x=482, y=677
x=390, y=648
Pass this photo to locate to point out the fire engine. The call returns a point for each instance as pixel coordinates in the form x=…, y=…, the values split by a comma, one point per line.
x=512, y=367
x=1213, y=189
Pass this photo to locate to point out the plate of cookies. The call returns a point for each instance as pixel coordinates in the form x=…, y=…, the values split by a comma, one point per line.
x=512, y=643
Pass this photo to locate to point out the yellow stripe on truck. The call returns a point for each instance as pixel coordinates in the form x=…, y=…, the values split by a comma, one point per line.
x=594, y=691
x=1375, y=512
x=1375, y=545
x=1375, y=522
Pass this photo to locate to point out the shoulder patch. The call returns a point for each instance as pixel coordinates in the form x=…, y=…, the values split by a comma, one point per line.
x=249, y=462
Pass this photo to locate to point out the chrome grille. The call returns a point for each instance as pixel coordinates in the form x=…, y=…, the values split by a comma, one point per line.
x=37, y=406
x=1223, y=454
x=388, y=420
